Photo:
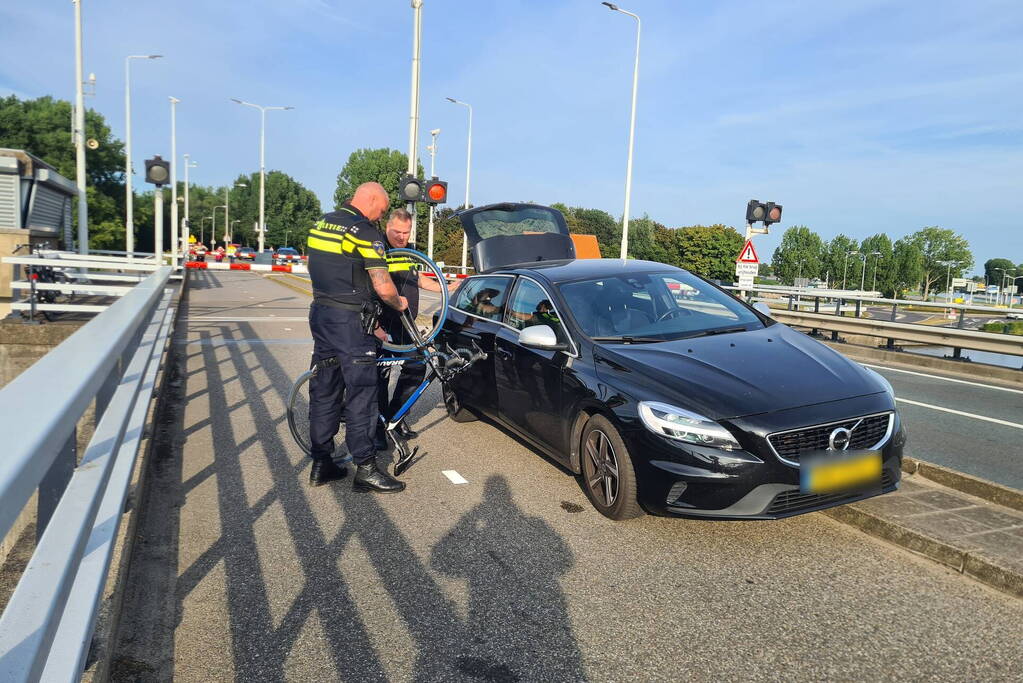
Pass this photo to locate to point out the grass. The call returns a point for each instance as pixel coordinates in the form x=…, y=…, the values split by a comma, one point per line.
x=1015, y=327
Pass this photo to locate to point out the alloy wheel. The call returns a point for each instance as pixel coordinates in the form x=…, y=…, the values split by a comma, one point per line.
x=602, y=479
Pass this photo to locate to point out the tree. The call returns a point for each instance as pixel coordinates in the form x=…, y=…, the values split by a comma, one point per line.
x=992, y=272
x=710, y=250
x=940, y=245
x=385, y=166
x=908, y=267
x=801, y=252
x=836, y=261
x=878, y=253
x=643, y=240
x=42, y=127
x=289, y=208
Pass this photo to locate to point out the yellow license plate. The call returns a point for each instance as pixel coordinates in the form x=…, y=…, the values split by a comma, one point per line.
x=831, y=474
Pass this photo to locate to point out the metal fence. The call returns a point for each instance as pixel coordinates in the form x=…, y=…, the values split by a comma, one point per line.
x=47, y=625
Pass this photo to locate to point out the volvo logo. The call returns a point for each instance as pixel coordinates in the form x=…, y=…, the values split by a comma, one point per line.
x=839, y=439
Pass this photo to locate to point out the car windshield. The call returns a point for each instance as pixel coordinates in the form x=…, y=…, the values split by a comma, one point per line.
x=652, y=307
x=286, y=250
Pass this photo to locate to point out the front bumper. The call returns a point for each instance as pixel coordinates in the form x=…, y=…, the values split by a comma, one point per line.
x=683, y=480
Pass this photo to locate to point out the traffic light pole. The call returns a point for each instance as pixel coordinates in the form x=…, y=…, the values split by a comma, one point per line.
x=413, y=124
x=433, y=156
x=158, y=224
x=79, y=127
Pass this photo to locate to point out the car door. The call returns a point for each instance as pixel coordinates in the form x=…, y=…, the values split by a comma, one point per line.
x=529, y=381
x=478, y=309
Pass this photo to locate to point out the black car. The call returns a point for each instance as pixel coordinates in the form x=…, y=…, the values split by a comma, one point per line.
x=660, y=390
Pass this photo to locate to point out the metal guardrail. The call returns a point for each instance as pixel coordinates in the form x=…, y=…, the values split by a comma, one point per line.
x=46, y=627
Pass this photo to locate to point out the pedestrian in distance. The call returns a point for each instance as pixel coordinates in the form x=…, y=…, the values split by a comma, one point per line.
x=408, y=282
x=348, y=269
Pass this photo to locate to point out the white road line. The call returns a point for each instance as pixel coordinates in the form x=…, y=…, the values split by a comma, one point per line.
x=947, y=379
x=455, y=477
x=959, y=412
x=255, y=319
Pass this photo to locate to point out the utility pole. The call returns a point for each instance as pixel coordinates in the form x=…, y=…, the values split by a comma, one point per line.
x=83, y=207
x=413, y=124
x=433, y=154
x=158, y=224
x=175, y=245
x=188, y=220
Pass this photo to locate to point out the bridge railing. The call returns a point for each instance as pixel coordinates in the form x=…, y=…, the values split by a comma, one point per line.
x=111, y=363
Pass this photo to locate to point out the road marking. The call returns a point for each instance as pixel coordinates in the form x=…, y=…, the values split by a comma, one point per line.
x=959, y=412
x=455, y=477
x=239, y=342
x=257, y=319
x=947, y=379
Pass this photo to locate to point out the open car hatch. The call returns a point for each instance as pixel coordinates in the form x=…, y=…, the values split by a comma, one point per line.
x=502, y=235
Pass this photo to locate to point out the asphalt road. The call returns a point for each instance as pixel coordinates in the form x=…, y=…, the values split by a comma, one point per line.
x=245, y=573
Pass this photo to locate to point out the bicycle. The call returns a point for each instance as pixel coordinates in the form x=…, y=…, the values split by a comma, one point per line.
x=444, y=365
x=42, y=274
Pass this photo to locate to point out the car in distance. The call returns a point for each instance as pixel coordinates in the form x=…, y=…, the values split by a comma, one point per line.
x=246, y=254
x=662, y=392
x=287, y=255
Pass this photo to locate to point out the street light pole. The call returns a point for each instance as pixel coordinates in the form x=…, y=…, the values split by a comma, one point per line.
x=863, y=273
x=433, y=155
x=1012, y=286
x=632, y=131
x=175, y=245
x=188, y=224
x=468, y=170
x=262, y=163
x=213, y=232
x=877, y=257
x=413, y=124
x=129, y=210
x=79, y=128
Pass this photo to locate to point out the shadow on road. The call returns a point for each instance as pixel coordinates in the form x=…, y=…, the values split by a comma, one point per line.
x=352, y=567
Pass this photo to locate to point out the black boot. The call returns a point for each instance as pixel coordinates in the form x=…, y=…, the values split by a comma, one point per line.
x=325, y=471
x=369, y=478
x=404, y=431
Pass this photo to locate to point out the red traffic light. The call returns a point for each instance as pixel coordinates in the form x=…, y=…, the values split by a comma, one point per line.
x=436, y=192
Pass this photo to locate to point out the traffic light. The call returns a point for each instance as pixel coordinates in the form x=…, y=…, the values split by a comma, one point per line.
x=436, y=191
x=157, y=171
x=410, y=189
x=757, y=211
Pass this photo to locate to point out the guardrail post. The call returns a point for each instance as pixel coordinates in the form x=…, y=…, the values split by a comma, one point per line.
x=858, y=307
x=106, y=390
x=838, y=311
x=53, y=483
x=790, y=302
x=962, y=318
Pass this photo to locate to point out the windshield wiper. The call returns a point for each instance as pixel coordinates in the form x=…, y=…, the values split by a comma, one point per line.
x=629, y=340
x=717, y=330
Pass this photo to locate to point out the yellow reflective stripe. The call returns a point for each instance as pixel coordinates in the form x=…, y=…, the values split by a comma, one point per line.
x=323, y=245
x=328, y=235
x=366, y=252
x=364, y=243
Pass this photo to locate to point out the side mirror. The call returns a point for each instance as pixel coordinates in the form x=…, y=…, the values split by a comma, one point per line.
x=541, y=337
x=763, y=308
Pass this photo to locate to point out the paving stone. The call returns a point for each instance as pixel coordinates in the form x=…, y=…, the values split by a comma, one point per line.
x=897, y=506
x=944, y=525
x=996, y=518
x=942, y=500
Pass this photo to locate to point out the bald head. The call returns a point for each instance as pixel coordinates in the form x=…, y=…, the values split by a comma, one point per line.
x=371, y=199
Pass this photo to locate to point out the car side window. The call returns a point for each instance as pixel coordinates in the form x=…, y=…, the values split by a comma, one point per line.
x=483, y=296
x=531, y=305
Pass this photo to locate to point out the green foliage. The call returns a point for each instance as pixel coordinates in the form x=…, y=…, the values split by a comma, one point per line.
x=289, y=209
x=385, y=166
x=879, y=253
x=647, y=240
x=710, y=250
x=607, y=230
x=908, y=269
x=938, y=245
x=995, y=268
x=998, y=327
x=798, y=244
x=841, y=269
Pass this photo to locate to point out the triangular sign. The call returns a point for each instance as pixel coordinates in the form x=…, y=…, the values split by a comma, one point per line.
x=748, y=254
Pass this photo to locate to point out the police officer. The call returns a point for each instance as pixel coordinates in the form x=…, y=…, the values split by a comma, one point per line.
x=408, y=282
x=348, y=270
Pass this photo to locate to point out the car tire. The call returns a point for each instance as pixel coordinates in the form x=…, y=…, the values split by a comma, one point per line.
x=456, y=410
x=607, y=475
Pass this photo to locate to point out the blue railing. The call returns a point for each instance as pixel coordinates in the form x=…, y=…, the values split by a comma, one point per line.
x=47, y=625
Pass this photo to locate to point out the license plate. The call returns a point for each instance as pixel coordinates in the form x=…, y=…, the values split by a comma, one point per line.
x=830, y=472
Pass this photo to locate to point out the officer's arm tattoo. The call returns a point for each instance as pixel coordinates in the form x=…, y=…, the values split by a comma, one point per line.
x=383, y=285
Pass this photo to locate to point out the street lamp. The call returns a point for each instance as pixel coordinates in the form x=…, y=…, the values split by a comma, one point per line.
x=632, y=130
x=433, y=154
x=845, y=270
x=799, y=264
x=175, y=244
x=262, y=166
x=78, y=129
x=468, y=169
x=188, y=225
x=129, y=220
x=1001, y=283
x=1012, y=286
x=227, y=210
x=202, y=227
x=863, y=272
x=877, y=256
x=213, y=232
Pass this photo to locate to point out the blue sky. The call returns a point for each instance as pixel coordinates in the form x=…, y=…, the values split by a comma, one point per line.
x=859, y=117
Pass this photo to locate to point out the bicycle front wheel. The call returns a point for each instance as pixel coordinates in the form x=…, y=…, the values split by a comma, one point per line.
x=401, y=260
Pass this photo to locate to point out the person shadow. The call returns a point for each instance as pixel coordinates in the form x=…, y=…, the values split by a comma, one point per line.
x=517, y=625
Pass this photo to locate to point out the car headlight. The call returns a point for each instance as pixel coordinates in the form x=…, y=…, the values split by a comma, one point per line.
x=880, y=378
x=682, y=425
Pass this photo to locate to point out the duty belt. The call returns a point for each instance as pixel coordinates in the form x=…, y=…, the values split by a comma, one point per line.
x=334, y=303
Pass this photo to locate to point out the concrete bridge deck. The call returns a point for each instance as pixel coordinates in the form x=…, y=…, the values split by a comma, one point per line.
x=243, y=572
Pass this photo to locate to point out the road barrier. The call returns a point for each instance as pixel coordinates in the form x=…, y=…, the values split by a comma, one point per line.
x=46, y=627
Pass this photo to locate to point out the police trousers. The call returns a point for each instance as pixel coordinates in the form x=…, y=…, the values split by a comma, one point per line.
x=412, y=374
x=350, y=387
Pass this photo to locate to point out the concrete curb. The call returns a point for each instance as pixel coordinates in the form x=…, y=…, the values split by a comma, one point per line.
x=295, y=288
x=975, y=566
x=965, y=483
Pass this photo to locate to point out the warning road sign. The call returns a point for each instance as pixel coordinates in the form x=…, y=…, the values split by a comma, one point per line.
x=748, y=254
